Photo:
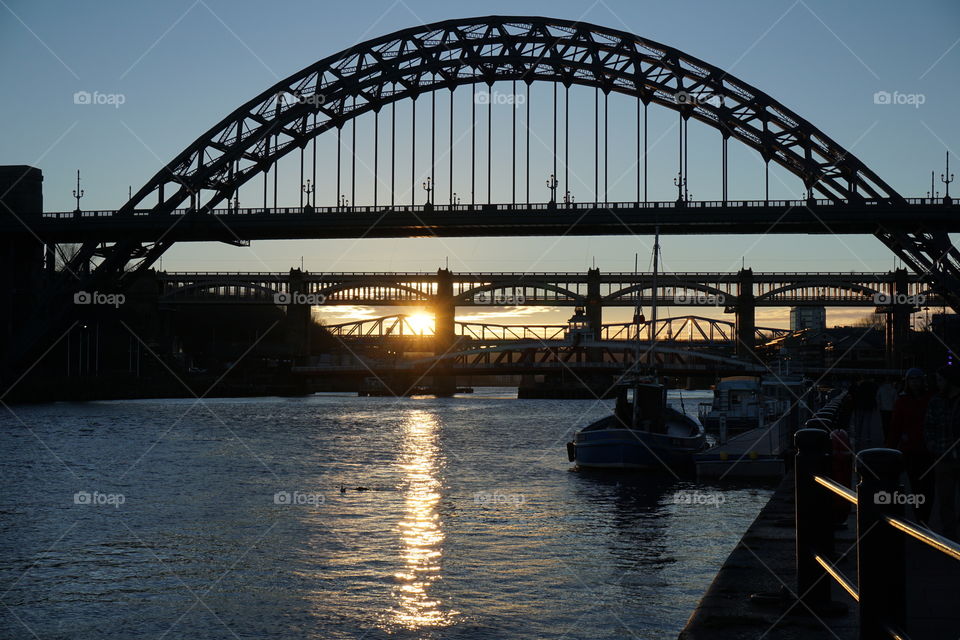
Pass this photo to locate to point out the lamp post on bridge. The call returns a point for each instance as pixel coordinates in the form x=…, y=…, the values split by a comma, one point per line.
x=78, y=193
x=552, y=185
x=947, y=178
x=568, y=198
x=344, y=202
x=681, y=184
x=428, y=187
x=309, y=188
x=455, y=200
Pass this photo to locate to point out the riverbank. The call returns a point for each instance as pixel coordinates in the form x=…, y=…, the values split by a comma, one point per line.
x=744, y=599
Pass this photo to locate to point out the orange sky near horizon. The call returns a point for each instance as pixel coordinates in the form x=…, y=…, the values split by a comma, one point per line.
x=774, y=317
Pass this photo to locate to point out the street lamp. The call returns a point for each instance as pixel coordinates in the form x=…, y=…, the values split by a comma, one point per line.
x=552, y=185
x=681, y=184
x=78, y=192
x=308, y=189
x=947, y=180
x=428, y=187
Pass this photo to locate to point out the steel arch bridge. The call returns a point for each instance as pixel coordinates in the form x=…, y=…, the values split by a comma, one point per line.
x=485, y=50
x=325, y=96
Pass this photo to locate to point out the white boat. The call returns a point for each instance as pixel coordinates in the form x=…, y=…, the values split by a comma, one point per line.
x=741, y=403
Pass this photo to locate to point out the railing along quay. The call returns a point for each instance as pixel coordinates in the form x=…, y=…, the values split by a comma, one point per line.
x=880, y=588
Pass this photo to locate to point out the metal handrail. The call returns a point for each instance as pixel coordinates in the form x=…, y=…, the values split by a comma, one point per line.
x=844, y=492
x=926, y=536
x=839, y=577
x=880, y=591
x=536, y=206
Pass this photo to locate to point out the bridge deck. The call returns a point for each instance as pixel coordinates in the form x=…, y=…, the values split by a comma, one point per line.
x=535, y=219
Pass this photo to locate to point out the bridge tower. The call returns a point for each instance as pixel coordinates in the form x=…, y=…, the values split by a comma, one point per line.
x=746, y=314
x=21, y=254
x=444, y=314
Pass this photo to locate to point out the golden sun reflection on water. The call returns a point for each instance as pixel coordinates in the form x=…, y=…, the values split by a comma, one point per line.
x=421, y=532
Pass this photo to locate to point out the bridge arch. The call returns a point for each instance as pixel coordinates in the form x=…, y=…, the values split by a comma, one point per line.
x=469, y=294
x=425, y=296
x=722, y=296
x=834, y=284
x=452, y=53
x=257, y=290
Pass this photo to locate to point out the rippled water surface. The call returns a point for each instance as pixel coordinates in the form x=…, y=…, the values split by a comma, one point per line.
x=245, y=519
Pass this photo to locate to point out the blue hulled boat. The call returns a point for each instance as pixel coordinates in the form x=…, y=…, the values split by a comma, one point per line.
x=643, y=433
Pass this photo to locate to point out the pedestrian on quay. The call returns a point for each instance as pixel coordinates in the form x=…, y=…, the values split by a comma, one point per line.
x=886, y=398
x=941, y=432
x=906, y=434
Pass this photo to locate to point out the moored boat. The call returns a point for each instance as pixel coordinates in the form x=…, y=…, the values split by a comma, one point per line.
x=643, y=433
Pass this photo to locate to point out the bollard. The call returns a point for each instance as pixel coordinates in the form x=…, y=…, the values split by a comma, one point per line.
x=881, y=550
x=818, y=423
x=813, y=523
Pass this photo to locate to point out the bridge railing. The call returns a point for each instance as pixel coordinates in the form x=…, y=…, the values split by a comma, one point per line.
x=534, y=206
x=880, y=589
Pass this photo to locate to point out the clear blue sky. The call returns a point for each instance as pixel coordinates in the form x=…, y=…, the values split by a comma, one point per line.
x=183, y=65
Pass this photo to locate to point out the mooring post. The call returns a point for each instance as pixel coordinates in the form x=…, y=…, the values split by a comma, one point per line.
x=813, y=525
x=881, y=550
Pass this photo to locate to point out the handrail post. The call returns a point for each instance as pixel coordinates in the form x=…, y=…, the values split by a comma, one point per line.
x=814, y=529
x=881, y=550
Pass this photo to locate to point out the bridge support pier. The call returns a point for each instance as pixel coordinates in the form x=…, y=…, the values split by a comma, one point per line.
x=594, y=311
x=298, y=319
x=897, y=326
x=746, y=314
x=21, y=255
x=444, y=314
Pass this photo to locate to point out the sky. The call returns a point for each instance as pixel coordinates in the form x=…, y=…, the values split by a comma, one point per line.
x=167, y=72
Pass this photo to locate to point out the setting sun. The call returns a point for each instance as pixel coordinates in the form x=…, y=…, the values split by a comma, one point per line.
x=421, y=322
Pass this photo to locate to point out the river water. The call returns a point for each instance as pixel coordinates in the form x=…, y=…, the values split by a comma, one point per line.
x=342, y=517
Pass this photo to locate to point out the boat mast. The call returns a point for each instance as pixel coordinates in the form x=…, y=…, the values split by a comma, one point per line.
x=653, y=305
